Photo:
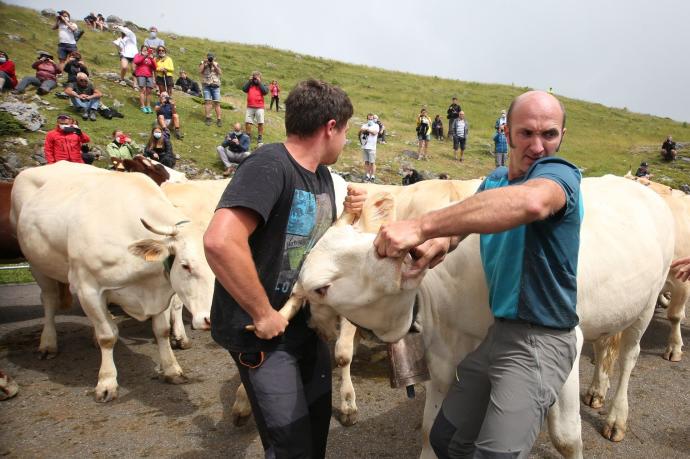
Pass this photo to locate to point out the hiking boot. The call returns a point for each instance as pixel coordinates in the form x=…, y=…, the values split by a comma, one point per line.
x=208, y=121
x=178, y=135
x=92, y=115
x=259, y=141
x=228, y=171
x=219, y=123
x=85, y=114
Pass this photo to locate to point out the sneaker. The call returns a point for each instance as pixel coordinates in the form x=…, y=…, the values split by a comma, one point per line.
x=219, y=123
x=178, y=134
x=85, y=114
x=144, y=109
x=372, y=179
x=208, y=121
x=367, y=178
x=149, y=109
x=92, y=115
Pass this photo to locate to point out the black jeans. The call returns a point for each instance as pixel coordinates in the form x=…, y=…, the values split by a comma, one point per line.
x=277, y=101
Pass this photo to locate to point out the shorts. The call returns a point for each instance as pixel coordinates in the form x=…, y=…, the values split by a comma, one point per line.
x=145, y=82
x=129, y=59
x=459, y=141
x=426, y=137
x=254, y=115
x=161, y=81
x=64, y=49
x=167, y=121
x=211, y=93
x=369, y=155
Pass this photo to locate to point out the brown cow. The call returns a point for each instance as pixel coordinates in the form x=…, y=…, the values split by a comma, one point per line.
x=9, y=247
x=154, y=170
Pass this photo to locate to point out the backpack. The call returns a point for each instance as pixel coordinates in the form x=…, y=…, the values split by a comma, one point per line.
x=422, y=129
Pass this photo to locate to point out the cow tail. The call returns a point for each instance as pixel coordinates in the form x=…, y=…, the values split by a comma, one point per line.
x=612, y=346
x=65, y=296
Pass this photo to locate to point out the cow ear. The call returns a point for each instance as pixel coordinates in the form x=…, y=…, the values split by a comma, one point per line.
x=150, y=250
x=379, y=209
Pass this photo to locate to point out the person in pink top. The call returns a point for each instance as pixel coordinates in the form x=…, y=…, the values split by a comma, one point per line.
x=275, y=95
x=144, y=70
x=256, y=91
x=46, y=75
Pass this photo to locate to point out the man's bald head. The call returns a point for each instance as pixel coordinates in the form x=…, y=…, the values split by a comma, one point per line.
x=541, y=99
x=237, y=127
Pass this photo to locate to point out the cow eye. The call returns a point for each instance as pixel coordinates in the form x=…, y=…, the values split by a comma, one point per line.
x=186, y=267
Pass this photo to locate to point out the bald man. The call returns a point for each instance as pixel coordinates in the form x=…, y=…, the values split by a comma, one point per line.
x=528, y=216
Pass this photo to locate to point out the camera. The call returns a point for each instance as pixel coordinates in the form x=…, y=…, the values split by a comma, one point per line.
x=210, y=59
x=254, y=80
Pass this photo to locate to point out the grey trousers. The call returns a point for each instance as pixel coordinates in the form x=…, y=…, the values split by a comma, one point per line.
x=502, y=392
x=45, y=85
x=228, y=157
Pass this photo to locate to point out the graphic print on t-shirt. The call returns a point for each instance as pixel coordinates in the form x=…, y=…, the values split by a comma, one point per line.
x=310, y=217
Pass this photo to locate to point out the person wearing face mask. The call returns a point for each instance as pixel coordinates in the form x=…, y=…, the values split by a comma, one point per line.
x=159, y=147
x=46, y=75
x=127, y=49
x=64, y=143
x=370, y=134
x=234, y=149
x=154, y=41
x=121, y=147
x=8, y=76
x=164, y=71
x=67, y=36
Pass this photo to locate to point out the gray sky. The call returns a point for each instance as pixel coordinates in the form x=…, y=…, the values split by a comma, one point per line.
x=621, y=53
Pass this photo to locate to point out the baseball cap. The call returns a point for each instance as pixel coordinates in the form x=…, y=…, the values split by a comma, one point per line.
x=644, y=164
x=45, y=53
x=64, y=116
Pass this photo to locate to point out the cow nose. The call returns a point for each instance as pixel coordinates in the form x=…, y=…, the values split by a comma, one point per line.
x=321, y=291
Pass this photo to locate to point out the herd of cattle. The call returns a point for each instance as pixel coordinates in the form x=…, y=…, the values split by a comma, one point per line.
x=119, y=238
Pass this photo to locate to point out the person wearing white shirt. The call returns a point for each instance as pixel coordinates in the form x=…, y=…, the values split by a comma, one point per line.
x=67, y=40
x=369, y=133
x=127, y=49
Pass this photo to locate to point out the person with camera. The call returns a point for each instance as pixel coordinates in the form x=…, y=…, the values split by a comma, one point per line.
x=8, y=75
x=369, y=133
x=166, y=114
x=84, y=96
x=423, y=134
x=64, y=143
x=668, y=149
x=73, y=66
x=46, y=75
x=210, y=84
x=127, y=49
x=164, y=71
x=144, y=71
x=452, y=114
x=121, y=147
x=68, y=34
x=159, y=148
x=234, y=149
x=256, y=91
x=187, y=85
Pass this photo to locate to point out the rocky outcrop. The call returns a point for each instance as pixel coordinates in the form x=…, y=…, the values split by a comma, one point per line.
x=27, y=114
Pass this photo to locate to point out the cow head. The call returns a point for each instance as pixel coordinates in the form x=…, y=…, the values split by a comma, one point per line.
x=154, y=170
x=344, y=272
x=182, y=255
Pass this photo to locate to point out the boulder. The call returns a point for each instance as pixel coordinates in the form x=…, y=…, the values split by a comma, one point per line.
x=112, y=19
x=110, y=76
x=27, y=114
x=133, y=27
x=39, y=155
x=49, y=13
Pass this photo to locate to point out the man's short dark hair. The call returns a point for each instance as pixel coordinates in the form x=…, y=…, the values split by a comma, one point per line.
x=312, y=104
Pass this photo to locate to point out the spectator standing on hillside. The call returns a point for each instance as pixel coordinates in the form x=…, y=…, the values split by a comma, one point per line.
x=437, y=128
x=256, y=91
x=166, y=114
x=643, y=170
x=73, y=66
x=46, y=75
x=234, y=149
x=501, y=146
x=423, y=134
x=187, y=85
x=127, y=49
x=452, y=114
x=668, y=149
x=67, y=36
x=370, y=134
x=144, y=72
x=90, y=20
x=461, y=131
x=210, y=85
x=8, y=75
x=165, y=69
x=275, y=95
x=121, y=147
x=501, y=120
x=64, y=143
x=159, y=147
x=153, y=41
x=382, y=129
x=84, y=96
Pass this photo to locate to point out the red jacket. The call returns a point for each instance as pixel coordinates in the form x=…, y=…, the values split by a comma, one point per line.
x=8, y=68
x=60, y=146
x=144, y=66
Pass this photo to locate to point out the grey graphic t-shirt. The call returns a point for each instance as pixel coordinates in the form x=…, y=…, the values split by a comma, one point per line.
x=296, y=207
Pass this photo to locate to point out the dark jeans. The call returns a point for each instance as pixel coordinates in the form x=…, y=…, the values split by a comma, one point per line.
x=45, y=86
x=8, y=81
x=277, y=101
x=290, y=395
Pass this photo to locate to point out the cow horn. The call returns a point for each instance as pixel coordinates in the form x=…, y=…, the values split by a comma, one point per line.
x=161, y=230
x=289, y=309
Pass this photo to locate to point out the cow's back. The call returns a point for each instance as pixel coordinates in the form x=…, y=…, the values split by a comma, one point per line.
x=197, y=199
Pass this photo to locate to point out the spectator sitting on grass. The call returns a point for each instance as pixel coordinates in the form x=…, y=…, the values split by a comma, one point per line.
x=75, y=65
x=166, y=113
x=8, y=76
x=84, y=96
x=159, y=147
x=668, y=149
x=437, y=128
x=100, y=23
x=64, y=143
x=410, y=175
x=121, y=147
x=90, y=20
x=186, y=84
x=643, y=170
x=234, y=149
x=46, y=75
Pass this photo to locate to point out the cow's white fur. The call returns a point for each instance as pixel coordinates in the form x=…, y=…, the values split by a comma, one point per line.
x=616, y=293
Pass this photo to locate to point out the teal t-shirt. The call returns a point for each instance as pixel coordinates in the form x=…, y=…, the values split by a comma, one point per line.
x=531, y=269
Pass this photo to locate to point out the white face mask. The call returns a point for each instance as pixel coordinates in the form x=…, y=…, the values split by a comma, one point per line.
x=3, y=60
x=152, y=35
x=63, y=126
x=157, y=135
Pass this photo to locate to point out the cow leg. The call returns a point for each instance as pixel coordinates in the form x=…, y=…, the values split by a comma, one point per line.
x=563, y=418
x=53, y=296
x=94, y=305
x=344, y=351
x=241, y=409
x=172, y=373
x=617, y=419
x=675, y=314
x=596, y=393
x=179, y=338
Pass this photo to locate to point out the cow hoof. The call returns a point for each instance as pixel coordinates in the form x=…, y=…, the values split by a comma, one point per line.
x=8, y=388
x=594, y=401
x=613, y=433
x=47, y=354
x=180, y=343
x=348, y=419
x=238, y=420
x=176, y=379
x=673, y=354
x=106, y=394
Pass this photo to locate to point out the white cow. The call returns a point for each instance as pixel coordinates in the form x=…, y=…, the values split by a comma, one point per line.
x=616, y=294
x=91, y=230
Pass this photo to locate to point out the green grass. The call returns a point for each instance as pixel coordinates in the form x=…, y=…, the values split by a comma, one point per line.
x=15, y=276
x=600, y=139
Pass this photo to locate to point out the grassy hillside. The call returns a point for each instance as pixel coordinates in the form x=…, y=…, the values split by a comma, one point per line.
x=600, y=139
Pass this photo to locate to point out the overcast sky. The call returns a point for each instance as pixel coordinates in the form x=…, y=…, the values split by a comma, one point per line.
x=621, y=53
